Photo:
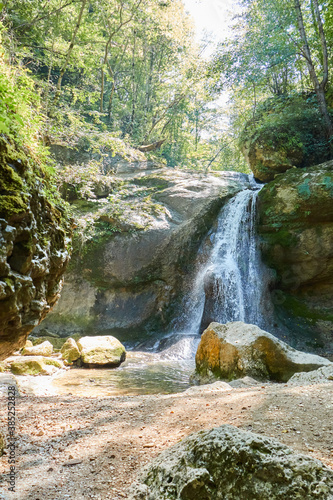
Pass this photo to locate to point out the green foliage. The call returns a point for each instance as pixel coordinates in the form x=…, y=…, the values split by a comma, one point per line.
x=265, y=57
x=132, y=72
x=289, y=124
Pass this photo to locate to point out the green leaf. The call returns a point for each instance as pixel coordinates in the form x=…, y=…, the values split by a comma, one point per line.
x=19, y=119
x=4, y=128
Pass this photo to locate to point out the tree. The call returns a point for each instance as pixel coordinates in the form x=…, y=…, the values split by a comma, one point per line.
x=278, y=47
x=318, y=84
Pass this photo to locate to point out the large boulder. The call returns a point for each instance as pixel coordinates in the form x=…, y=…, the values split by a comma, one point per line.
x=33, y=365
x=101, y=350
x=70, y=351
x=134, y=249
x=226, y=463
x=286, y=132
x=43, y=349
x=296, y=228
x=33, y=246
x=235, y=350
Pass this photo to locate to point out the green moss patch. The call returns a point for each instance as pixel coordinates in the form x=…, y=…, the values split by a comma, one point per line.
x=300, y=309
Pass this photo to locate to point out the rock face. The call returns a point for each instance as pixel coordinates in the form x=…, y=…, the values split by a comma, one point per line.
x=33, y=365
x=235, y=350
x=296, y=227
x=286, y=133
x=226, y=463
x=43, y=349
x=101, y=351
x=144, y=240
x=33, y=247
x=70, y=351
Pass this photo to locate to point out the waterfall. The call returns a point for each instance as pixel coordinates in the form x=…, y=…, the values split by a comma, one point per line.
x=231, y=285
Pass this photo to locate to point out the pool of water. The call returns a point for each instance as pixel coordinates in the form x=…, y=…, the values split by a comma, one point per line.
x=163, y=372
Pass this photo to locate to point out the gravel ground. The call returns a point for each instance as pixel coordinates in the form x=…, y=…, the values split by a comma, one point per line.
x=92, y=447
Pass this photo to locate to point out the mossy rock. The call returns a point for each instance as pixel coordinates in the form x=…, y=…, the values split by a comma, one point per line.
x=70, y=351
x=34, y=365
x=34, y=242
x=296, y=229
x=43, y=349
x=286, y=132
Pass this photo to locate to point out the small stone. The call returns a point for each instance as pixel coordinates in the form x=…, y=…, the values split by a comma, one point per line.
x=72, y=462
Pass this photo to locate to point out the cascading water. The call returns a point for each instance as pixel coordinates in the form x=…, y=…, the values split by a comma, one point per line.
x=231, y=284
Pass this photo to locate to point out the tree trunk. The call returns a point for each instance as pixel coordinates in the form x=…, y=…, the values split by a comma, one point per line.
x=69, y=51
x=318, y=86
x=102, y=92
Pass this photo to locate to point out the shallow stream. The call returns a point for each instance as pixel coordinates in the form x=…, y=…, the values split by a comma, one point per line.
x=163, y=372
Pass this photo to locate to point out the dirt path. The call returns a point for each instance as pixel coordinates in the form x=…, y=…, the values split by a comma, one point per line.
x=91, y=448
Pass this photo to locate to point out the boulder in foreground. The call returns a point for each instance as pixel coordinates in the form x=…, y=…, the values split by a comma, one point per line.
x=235, y=350
x=226, y=463
x=101, y=350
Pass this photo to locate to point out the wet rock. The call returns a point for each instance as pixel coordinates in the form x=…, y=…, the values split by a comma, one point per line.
x=70, y=351
x=230, y=464
x=100, y=350
x=33, y=365
x=234, y=350
x=43, y=349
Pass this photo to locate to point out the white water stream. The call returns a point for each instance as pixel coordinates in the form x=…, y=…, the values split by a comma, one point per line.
x=231, y=284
